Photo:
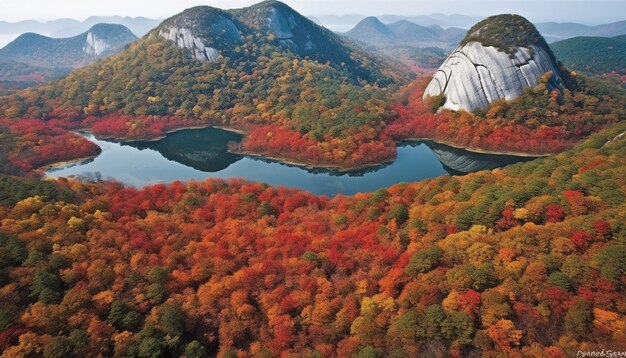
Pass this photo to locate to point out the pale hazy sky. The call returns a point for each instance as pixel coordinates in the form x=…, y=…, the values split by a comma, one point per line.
x=587, y=11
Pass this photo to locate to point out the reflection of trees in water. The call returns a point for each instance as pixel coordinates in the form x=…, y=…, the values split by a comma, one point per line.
x=202, y=149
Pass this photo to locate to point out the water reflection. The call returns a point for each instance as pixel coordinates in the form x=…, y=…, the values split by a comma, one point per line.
x=201, y=153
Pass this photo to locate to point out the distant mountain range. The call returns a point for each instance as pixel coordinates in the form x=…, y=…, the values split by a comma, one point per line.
x=373, y=32
x=343, y=23
x=70, y=27
x=553, y=31
x=593, y=54
x=34, y=58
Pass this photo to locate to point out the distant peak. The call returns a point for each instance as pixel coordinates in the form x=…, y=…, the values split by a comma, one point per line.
x=371, y=20
x=113, y=29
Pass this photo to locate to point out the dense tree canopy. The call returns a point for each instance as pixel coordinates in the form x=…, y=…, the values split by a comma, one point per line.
x=527, y=260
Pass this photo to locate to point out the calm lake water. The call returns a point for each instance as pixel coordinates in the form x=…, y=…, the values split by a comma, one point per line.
x=202, y=153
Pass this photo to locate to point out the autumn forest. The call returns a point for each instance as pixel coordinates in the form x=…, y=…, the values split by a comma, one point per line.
x=527, y=260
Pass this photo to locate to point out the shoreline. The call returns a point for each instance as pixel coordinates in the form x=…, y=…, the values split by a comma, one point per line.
x=164, y=135
x=309, y=166
x=474, y=149
x=65, y=163
x=333, y=167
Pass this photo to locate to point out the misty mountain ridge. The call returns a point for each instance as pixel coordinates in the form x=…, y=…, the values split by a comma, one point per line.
x=37, y=50
x=71, y=27
x=373, y=32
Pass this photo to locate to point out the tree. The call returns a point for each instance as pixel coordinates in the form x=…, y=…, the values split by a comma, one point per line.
x=458, y=326
x=58, y=347
x=172, y=319
x=399, y=212
x=578, y=319
x=266, y=208
x=46, y=287
x=424, y=260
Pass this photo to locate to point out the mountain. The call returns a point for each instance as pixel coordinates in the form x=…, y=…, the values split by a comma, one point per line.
x=70, y=27
x=265, y=64
x=554, y=31
x=445, y=21
x=373, y=32
x=41, y=51
x=593, y=54
x=500, y=57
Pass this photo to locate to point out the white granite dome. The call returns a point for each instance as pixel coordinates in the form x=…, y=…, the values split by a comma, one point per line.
x=474, y=75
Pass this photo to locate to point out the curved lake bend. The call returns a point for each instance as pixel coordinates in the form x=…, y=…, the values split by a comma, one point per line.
x=202, y=153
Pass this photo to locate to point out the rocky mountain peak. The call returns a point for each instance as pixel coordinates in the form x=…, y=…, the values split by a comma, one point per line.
x=102, y=38
x=500, y=57
x=70, y=52
x=203, y=30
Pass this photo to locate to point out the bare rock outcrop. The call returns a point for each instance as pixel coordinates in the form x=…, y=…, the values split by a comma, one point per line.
x=481, y=70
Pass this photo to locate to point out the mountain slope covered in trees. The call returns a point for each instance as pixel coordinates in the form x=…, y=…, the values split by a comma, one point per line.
x=33, y=59
x=593, y=54
x=256, y=68
x=99, y=41
x=527, y=260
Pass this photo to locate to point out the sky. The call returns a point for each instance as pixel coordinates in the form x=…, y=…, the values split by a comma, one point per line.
x=585, y=11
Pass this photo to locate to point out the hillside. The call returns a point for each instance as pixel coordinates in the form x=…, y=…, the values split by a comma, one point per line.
x=593, y=54
x=529, y=260
x=254, y=69
x=372, y=32
x=66, y=53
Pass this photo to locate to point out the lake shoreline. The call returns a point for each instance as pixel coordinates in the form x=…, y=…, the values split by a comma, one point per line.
x=474, y=149
x=66, y=163
x=333, y=167
x=285, y=160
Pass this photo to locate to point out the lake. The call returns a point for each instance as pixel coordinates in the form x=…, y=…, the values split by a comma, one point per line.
x=202, y=153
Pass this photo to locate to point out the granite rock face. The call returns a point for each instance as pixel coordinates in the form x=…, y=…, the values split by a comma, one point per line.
x=282, y=24
x=499, y=58
x=100, y=41
x=473, y=76
x=95, y=46
x=185, y=39
x=204, y=31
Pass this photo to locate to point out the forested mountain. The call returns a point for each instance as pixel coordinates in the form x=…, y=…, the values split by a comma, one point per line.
x=33, y=59
x=262, y=64
x=264, y=68
x=593, y=54
x=67, y=53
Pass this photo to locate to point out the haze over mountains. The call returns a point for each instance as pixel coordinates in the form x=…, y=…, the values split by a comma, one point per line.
x=71, y=27
x=373, y=32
